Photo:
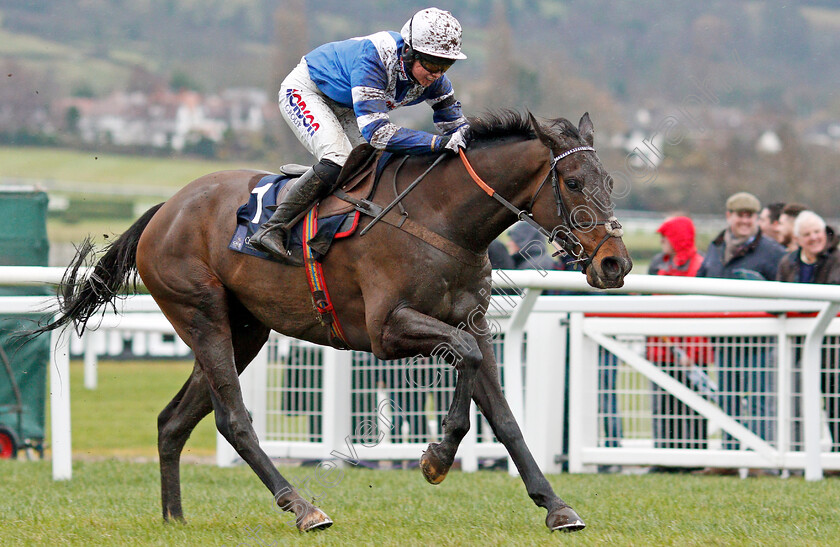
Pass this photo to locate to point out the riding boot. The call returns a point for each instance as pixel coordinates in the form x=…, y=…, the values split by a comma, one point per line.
x=273, y=236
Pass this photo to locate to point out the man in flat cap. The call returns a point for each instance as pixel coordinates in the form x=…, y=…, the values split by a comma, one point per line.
x=745, y=370
x=742, y=251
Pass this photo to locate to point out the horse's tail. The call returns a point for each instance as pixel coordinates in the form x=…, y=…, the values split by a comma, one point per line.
x=80, y=297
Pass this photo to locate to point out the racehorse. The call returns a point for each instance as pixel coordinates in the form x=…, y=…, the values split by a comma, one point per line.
x=395, y=294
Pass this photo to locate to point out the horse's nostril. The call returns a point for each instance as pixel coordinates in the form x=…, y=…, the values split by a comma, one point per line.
x=611, y=267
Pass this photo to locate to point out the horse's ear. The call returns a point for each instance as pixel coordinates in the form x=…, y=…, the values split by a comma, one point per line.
x=539, y=130
x=586, y=129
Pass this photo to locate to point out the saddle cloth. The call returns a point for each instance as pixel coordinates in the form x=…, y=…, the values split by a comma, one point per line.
x=336, y=218
x=253, y=214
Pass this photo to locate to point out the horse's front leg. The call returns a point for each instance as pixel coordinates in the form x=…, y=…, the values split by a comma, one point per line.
x=491, y=401
x=409, y=333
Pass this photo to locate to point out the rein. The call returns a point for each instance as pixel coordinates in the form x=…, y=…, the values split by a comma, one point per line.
x=568, y=242
x=388, y=215
x=404, y=193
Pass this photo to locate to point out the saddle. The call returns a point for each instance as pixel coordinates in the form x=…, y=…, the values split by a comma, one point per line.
x=337, y=215
x=335, y=218
x=357, y=180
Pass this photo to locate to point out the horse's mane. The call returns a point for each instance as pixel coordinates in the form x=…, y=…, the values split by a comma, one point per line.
x=511, y=124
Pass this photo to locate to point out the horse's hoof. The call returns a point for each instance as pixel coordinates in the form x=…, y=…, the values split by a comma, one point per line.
x=178, y=518
x=432, y=466
x=564, y=519
x=313, y=520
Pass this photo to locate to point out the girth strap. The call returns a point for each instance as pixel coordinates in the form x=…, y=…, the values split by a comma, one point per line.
x=318, y=285
x=415, y=229
x=434, y=239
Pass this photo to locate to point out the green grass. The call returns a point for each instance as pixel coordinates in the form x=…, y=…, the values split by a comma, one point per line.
x=14, y=45
x=112, y=500
x=119, y=418
x=67, y=65
x=113, y=170
x=63, y=232
x=69, y=170
x=116, y=503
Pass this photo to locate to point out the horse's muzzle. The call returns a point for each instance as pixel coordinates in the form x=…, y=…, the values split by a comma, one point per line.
x=609, y=272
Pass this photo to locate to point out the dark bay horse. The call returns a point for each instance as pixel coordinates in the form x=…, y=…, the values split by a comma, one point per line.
x=395, y=295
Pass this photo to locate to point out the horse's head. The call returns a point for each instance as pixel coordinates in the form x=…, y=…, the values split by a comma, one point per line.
x=573, y=202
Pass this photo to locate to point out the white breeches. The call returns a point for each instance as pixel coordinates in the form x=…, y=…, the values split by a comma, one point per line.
x=325, y=128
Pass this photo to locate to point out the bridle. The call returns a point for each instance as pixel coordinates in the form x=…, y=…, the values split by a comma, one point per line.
x=568, y=242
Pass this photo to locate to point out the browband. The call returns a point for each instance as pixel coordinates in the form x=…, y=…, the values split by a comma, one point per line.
x=569, y=152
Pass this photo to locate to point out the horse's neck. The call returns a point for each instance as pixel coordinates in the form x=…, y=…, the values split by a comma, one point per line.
x=510, y=169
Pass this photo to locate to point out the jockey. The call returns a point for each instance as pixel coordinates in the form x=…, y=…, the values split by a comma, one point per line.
x=340, y=94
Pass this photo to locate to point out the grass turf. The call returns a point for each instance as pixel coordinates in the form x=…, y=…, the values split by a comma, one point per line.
x=116, y=502
x=108, y=170
x=119, y=418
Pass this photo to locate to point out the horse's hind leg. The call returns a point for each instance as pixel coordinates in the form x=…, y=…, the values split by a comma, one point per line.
x=210, y=336
x=192, y=403
x=408, y=332
x=175, y=423
x=491, y=401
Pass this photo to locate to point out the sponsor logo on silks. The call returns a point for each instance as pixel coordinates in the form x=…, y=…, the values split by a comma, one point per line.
x=302, y=116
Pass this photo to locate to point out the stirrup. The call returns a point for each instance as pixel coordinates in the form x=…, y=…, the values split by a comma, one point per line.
x=291, y=258
x=273, y=240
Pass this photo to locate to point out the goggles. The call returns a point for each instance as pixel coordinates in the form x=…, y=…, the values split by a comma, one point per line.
x=434, y=65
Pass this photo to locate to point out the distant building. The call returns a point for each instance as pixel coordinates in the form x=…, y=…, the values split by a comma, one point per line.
x=826, y=134
x=166, y=119
x=768, y=143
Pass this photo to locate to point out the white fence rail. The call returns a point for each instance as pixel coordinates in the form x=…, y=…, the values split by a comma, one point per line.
x=757, y=407
x=538, y=371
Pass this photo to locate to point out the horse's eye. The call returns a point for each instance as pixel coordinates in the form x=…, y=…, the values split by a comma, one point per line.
x=573, y=184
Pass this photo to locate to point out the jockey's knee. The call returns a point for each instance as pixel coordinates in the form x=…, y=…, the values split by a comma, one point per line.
x=327, y=170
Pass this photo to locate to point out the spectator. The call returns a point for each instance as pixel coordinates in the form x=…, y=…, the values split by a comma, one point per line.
x=679, y=254
x=745, y=376
x=741, y=251
x=817, y=260
x=675, y=424
x=528, y=248
x=499, y=257
x=529, y=251
x=768, y=220
x=608, y=365
x=789, y=214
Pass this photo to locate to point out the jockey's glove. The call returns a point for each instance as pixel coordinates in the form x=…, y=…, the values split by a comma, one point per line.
x=459, y=139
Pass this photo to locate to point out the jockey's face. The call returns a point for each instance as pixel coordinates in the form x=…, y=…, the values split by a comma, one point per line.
x=423, y=76
x=426, y=69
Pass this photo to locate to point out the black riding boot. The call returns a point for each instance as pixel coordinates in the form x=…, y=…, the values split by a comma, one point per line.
x=273, y=236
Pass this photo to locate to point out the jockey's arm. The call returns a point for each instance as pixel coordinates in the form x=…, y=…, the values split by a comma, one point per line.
x=370, y=106
x=447, y=110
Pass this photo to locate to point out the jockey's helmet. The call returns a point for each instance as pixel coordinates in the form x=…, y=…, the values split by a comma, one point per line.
x=434, y=33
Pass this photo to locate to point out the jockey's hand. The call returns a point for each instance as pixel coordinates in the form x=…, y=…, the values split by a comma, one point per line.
x=459, y=139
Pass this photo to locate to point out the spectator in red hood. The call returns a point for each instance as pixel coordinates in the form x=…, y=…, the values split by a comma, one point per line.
x=679, y=254
x=675, y=424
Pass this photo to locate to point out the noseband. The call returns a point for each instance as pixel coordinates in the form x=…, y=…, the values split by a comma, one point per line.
x=568, y=243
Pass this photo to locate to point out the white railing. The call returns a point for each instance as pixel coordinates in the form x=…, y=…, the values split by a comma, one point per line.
x=758, y=351
x=523, y=318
